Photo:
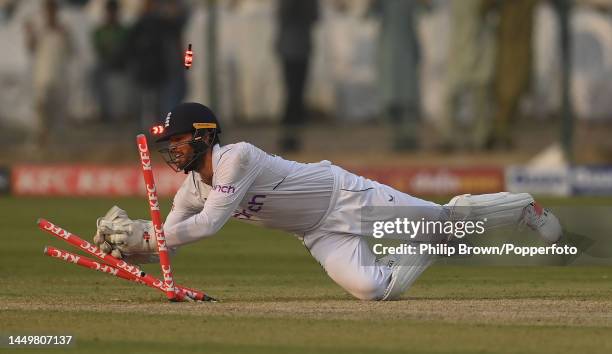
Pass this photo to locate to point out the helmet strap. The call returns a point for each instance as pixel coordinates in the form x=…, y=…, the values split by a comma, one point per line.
x=200, y=147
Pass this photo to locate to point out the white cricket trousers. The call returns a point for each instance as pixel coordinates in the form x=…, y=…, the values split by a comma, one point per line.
x=340, y=246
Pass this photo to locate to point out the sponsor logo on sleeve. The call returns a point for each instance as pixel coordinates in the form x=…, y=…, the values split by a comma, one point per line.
x=224, y=189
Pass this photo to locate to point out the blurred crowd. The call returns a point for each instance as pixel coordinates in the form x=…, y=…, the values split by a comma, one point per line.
x=148, y=54
x=138, y=64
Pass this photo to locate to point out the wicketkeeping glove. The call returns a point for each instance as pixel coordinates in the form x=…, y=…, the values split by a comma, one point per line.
x=132, y=240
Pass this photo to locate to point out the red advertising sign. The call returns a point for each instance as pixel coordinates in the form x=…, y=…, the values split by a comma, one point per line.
x=438, y=180
x=112, y=181
x=88, y=180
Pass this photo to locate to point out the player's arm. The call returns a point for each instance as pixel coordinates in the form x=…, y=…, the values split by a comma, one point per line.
x=187, y=202
x=235, y=173
x=184, y=224
x=134, y=240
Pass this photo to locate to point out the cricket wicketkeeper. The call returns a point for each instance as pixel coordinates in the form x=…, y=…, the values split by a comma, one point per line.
x=318, y=202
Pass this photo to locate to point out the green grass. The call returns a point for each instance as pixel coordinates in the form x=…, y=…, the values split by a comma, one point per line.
x=277, y=299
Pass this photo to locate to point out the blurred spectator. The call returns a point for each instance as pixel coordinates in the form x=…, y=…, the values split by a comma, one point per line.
x=471, y=62
x=147, y=62
x=7, y=9
x=50, y=47
x=599, y=5
x=296, y=18
x=174, y=14
x=109, y=42
x=78, y=3
x=513, y=67
x=399, y=69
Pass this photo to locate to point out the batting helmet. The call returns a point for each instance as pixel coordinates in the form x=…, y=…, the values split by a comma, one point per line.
x=194, y=118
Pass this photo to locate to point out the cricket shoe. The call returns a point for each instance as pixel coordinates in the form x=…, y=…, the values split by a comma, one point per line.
x=542, y=221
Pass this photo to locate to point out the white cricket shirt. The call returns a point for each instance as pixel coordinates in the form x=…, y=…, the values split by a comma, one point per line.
x=254, y=186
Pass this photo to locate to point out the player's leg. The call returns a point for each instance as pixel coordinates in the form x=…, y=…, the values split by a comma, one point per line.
x=507, y=209
x=500, y=209
x=405, y=269
x=350, y=263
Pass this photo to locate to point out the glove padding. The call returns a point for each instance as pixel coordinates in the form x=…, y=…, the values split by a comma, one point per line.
x=131, y=240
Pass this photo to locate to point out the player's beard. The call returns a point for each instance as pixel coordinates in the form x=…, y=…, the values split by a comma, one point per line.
x=192, y=161
x=182, y=160
x=179, y=161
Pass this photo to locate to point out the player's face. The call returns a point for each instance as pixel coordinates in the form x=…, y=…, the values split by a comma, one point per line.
x=181, y=150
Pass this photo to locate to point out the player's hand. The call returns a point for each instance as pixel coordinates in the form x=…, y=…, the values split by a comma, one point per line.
x=131, y=240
